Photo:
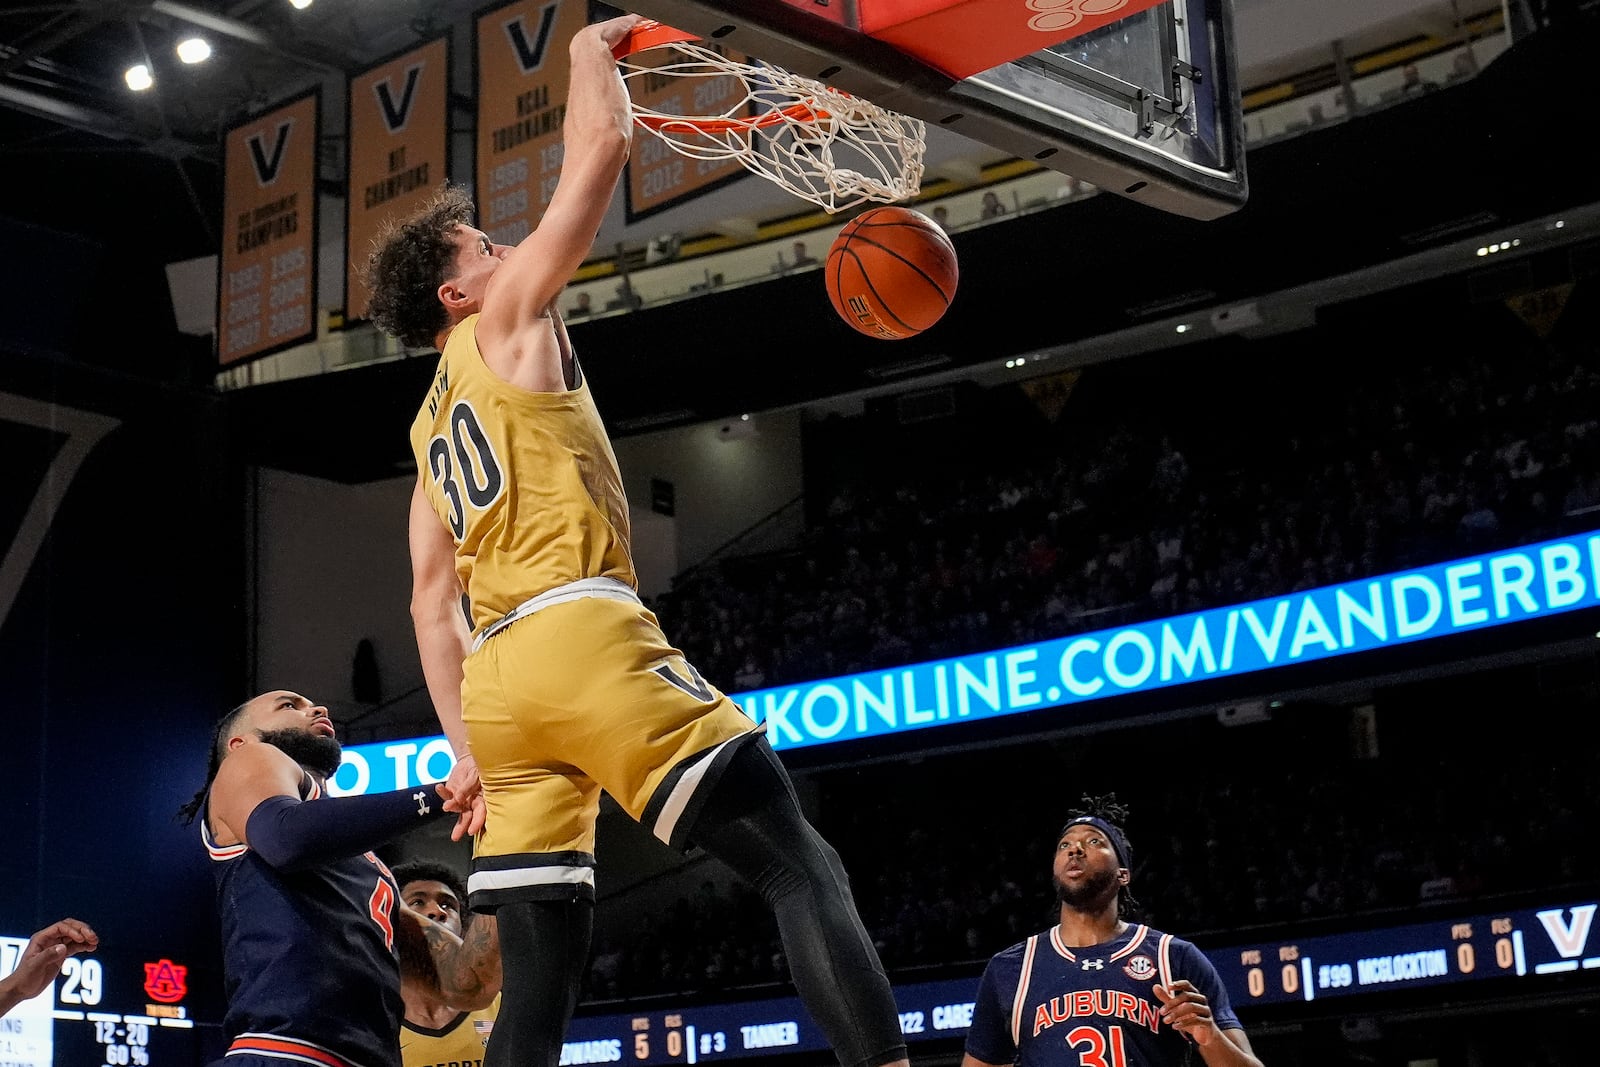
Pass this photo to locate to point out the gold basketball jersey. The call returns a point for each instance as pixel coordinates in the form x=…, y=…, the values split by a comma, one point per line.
x=460, y=1044
x=526, y=482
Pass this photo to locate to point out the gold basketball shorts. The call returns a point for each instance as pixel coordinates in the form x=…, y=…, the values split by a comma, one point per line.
x=583, y=693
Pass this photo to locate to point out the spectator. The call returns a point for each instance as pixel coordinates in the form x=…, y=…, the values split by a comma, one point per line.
x=802, y=258
x=992, y=207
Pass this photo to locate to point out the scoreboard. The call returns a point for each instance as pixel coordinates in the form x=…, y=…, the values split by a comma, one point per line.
x=1532, y=942
x=104, y=1008
x=734, y=1031
x=123, y=1011
x=1521, y=944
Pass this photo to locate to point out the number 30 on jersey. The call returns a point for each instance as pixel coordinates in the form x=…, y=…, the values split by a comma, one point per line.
x=463, y=464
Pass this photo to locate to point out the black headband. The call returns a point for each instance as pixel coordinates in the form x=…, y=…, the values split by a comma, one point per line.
x=1119, y=842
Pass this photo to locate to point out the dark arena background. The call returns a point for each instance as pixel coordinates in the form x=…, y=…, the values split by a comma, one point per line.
x=1282, y=525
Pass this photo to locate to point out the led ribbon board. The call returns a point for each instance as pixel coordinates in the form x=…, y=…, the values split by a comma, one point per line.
x=1460, y=596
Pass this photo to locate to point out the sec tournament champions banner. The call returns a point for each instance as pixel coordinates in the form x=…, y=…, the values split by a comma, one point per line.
x=523, y=71
x=658, y=176
x=399, y=151
x=267, y=288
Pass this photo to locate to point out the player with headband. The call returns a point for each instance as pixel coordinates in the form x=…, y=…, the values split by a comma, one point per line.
x=1097, y=987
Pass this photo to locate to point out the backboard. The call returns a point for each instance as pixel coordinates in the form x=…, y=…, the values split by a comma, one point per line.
x=1146, y=106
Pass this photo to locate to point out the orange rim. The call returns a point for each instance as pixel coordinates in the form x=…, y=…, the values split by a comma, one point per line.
x=792, y=113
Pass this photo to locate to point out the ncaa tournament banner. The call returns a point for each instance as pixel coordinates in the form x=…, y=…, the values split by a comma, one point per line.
x=399, y=115
x=658, y=176
x=267, y=284
x=523, y=72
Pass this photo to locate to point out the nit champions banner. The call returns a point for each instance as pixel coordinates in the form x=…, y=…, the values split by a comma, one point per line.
x=267, y=284
x=523, y=72
x=399, y=115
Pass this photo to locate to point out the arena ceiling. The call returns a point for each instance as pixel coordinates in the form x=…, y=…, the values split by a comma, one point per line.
x=68, y=120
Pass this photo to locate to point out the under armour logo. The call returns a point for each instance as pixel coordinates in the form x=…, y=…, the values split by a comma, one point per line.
x=422, y=803
x=1094, y=965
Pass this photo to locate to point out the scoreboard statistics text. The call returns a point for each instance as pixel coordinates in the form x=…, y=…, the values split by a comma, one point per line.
x=104, y=1008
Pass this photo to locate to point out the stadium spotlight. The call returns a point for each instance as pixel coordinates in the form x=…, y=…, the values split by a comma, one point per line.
x=194, y=50
x=138, y=77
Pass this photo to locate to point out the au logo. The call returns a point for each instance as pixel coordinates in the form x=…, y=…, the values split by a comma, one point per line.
x=166, y=981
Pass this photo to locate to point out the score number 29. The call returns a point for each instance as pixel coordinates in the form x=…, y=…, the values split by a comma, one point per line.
x=80, y=981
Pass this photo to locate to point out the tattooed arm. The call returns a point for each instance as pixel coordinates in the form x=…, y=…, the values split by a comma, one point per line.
x=464, y=972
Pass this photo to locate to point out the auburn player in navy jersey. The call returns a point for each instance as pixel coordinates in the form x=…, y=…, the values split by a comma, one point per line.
x=1096, y=990
x=566, y=685
x=310, y=915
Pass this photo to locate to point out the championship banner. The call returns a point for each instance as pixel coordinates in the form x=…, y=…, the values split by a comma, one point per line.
x=659, y=177
x=1541, y=310
x=267, y=272
x=523, y=71
x=399, y=123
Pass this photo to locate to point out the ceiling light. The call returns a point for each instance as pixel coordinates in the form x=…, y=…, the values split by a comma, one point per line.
x=1184, y=327
x=138, y=77
x=194, y=50
x=299, y=5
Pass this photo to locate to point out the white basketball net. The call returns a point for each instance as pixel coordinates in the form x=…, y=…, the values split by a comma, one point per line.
x=826, y=146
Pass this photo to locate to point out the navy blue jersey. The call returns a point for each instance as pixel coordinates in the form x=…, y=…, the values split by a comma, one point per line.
x=1042, y=1004
x=308, y=957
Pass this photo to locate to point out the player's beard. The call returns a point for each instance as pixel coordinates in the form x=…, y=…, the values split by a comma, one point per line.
x=318, y=754
x=1090, y=891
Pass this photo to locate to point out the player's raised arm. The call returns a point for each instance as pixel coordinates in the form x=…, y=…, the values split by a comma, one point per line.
x=597, y=133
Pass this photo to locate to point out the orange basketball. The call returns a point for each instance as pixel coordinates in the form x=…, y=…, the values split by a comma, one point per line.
x=891, y=272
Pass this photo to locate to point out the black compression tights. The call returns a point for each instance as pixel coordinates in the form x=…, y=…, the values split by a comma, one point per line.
x=544, y=947
x=753, y=823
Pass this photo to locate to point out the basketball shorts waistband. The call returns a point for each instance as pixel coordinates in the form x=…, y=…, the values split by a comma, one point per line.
x=603, y=588
x=288, y=1049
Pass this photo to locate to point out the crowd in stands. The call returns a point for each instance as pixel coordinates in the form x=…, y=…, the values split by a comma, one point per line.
x=1156, y=503
x=1163, y=487
x=1266, y=825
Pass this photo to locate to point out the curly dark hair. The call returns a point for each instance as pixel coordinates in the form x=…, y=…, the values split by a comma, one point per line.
x=410, y=259
x=430, y=871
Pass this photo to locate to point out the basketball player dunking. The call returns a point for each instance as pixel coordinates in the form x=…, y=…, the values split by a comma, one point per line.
x=309, y=915
x=1095, y=988
x=568, y=686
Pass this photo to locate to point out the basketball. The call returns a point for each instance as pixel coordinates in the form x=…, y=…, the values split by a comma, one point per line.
x=891, y=273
